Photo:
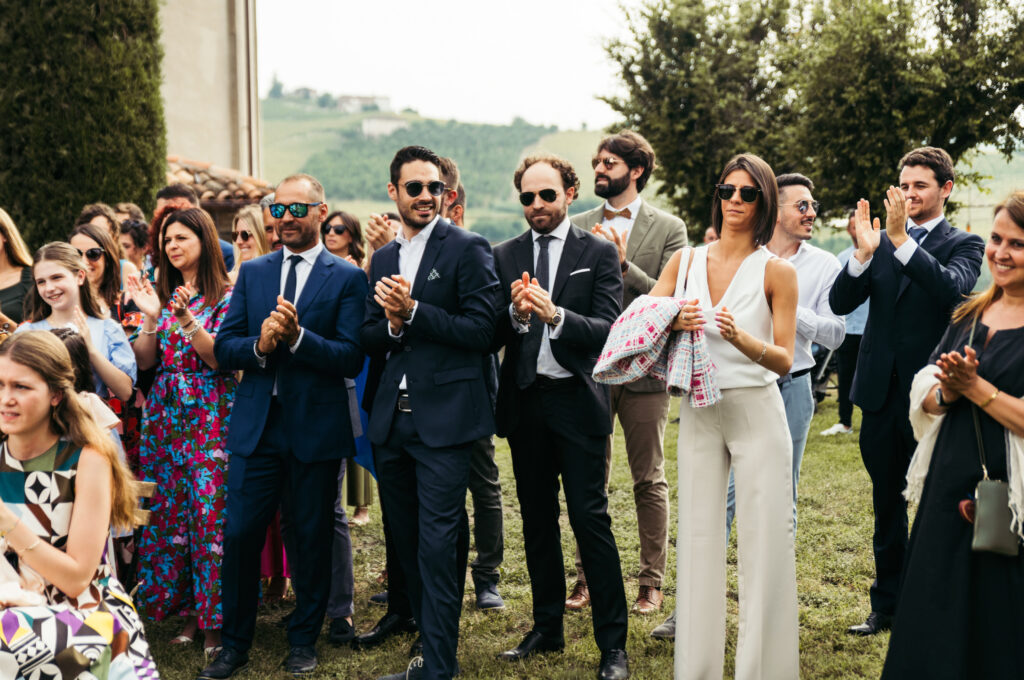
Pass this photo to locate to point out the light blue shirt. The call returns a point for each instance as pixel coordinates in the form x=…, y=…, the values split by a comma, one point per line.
x=858, y=318
x=107, y=337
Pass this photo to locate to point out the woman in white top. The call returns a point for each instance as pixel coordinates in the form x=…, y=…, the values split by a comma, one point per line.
x=745, y=300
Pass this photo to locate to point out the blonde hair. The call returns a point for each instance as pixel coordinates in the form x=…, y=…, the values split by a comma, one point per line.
x=251, y=217
x=71, y=419
x=14, y=246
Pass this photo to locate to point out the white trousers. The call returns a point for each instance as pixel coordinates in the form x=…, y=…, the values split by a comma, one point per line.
x=748, y=431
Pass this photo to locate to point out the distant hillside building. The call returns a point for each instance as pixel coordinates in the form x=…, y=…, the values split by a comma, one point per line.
x=381, y=126
x=355, y=104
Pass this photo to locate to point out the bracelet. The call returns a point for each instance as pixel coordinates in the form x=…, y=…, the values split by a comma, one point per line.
x=188, y=335
x=515, y=314
x=4, y=532
x=764, y=350
x=143, y=331
x=989, y=400
x=31, y=547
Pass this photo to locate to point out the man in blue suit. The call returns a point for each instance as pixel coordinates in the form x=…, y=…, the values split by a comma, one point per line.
x=293, y=328
x=912, y=275
x=431, y=312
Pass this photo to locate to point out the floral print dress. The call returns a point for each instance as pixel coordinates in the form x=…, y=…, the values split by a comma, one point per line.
x=184, y=434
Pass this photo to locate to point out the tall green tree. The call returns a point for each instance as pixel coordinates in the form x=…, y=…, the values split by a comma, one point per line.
x=81, y=118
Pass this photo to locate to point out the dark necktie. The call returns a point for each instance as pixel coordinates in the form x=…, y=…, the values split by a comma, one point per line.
x=918, y=234
x=291, y=280
x=612, y=214
x=527, y=372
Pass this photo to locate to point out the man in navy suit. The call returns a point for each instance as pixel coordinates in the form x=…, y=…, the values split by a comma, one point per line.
x=293, y=328
x=431, y=312
x=913, y=274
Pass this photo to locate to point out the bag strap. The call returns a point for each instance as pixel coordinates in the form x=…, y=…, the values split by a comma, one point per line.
x=974, y=408
x=686, y=277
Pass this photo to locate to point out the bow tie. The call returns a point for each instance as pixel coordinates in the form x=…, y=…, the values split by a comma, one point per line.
x=612, y=214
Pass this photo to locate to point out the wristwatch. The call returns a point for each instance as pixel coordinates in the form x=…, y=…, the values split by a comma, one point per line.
x=556, y=319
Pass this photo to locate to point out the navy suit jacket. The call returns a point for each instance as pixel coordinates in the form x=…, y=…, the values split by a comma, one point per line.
x=441, y=352
x=588, y=286
x=310, y=383
x=909, y=309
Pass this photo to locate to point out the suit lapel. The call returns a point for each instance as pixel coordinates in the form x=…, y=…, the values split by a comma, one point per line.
x=317, y=276
x=270, y=282
x=930, y=243
x=641, y=228
x=430, y=253
x=571, y=253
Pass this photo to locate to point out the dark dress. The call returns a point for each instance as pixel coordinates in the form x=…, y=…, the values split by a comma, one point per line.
x=12, y=298
x=961, y=613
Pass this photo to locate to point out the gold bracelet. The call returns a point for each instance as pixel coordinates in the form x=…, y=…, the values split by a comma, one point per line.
x=989, y=400
x=31, y=547
x=3, y=533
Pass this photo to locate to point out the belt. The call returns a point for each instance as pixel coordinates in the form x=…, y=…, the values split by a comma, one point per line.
x=403, y=403
x=545, y=383
x=789, y=377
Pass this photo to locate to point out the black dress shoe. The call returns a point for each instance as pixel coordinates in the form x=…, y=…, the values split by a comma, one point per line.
x=341, y=632
x=416, y=649
x=380, y=598
x=874, y=625
x=389, y=624
x=301, y=661
x=227, y=663
x=614, y=665
x=533, y=643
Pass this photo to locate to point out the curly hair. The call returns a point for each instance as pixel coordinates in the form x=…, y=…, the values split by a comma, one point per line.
x=569, y=178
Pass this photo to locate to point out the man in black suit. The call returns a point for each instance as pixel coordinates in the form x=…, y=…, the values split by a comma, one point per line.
x=913, y=275
x=431, y=310
x=562, y=289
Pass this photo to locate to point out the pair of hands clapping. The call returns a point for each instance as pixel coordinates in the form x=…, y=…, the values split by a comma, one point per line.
x=957, y=373
x=528, y=297
x=141, y=292
x=869, y=235
x=394, y=294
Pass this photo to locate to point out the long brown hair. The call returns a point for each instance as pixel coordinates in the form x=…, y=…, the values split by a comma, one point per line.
x=767, y=198
x=64, y=254
x=109, y=289
x=14, y=246
x=212, y=276
x=70, y=418
x=355, y=231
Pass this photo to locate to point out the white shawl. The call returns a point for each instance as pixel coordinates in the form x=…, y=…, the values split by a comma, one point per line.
x=926, y=431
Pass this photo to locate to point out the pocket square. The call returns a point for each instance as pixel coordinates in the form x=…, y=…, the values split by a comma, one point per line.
x=580, y=271
x=433, y=275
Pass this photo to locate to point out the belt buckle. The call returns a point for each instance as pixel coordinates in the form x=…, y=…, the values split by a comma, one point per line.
x=403, y=404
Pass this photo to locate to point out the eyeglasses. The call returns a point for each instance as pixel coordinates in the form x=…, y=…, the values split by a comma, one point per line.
x=546, y=195
x=296, y=209
x=803, y=206
x=608, y=162
x=245, y=236
x=92, y=254
x=748, y=194
x=415, y=188
x=338, y=229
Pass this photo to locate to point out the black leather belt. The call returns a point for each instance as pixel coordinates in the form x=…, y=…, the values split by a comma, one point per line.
x=545, y=383
x=403, y=403
x=790, y=377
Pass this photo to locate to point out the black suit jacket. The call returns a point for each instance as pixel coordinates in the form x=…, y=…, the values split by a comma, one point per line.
x=588, y=285
x=441, y=352
x=909, y=308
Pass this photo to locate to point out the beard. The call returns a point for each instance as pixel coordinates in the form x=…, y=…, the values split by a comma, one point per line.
x=414, y=221
x=545, y=221
x=613, y=187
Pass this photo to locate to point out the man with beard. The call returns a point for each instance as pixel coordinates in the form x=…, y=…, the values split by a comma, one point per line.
x=645, y=239
x=562, y=288
x=430, y=316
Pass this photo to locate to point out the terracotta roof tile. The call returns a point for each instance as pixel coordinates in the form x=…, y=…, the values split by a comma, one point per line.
x=214, y=183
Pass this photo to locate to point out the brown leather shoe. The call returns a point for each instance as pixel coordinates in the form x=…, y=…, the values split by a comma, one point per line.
x=648, y=600
x=580, y=597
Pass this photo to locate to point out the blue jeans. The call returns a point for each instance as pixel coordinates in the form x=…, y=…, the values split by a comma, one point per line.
x=799, y=402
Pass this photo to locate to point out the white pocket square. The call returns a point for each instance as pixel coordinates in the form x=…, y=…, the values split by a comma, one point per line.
x=433, y=276
x=580, y=271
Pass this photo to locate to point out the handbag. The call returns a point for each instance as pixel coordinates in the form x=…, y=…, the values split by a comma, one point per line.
x=991, y=501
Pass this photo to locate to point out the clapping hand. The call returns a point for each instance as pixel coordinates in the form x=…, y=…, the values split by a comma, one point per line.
x=614, y=236
x=868, y=235
x=541, y=301
x=140, y=291
x=689, y=317
x=521, y=297
x=896, y=208
x=179, y=302
x=393, y=294
x=957, y=372
x=80, y=320
x=286, y=318
x=380, y=231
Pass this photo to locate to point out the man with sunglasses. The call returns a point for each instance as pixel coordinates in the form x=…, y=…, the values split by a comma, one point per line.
x=562, y=290
x=430, y=318
x=270, y=222
x=645, y=238
x=293, y=328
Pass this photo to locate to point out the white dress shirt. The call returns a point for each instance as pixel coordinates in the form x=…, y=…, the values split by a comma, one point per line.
x=546, y=364
x=903, y=253
x=620, y=223
x=816, y=270
x=410, y=254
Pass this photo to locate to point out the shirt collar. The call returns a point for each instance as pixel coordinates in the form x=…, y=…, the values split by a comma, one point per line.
x=422, y=235
x=307, y=255
x=634, y=208
x=561, y=232
x=927, y=226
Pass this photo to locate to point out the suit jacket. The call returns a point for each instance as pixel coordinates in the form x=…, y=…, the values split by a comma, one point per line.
x=909, y=307
x=441, y=352
x=310, y=383
x=655, y=237
x=588, y=285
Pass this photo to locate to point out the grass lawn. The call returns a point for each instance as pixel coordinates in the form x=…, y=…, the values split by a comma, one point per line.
x=834, y=570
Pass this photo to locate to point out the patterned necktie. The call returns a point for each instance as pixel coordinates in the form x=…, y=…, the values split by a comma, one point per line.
x=527, y=371
x=917, y=233
x=291, y=280
x=612, y=214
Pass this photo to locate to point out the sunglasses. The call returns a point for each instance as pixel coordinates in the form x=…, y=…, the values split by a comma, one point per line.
x=296, y=209
x=803, y=206
x=246, y=235
x=748, y=194
x=92, y=254
x=608, y=163
x=546, y=195
x=338, y=229
x=415, y=188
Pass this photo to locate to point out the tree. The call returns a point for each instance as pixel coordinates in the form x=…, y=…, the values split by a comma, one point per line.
x=81, y=118
x=276, y=89
x=325, y=101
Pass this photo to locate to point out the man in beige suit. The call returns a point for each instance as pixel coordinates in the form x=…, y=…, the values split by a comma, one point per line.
x=646, y=238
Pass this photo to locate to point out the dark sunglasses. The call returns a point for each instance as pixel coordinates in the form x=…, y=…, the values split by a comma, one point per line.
x=296, y=209
x=802, y=206
x=608, y=163
x=747, y=194
x=244, y=234
x=92, y=254
x=338, y=229
x=546, y=195
x=415, y=188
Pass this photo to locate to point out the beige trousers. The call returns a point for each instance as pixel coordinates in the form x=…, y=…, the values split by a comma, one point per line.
x=747, y=429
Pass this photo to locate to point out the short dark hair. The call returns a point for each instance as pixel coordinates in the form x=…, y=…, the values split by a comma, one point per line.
x=179, y=190
x=931, y=157
x=407, y=154
x=636, y=151
x=137, y=230
x=564, y=168
x=133, y=211
x=460, y=197
x=79, y=353
x=794, y=179
x=449, y=172
x=767, y=200
x=97, y=210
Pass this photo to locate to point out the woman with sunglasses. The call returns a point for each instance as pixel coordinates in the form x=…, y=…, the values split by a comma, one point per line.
x=15, y=275
x=744, y=299
x=248, y=237
x=184, y=428
x=343, y=236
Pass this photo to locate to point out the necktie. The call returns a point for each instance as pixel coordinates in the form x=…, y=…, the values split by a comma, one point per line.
x=527, y=372
x=612, y=214
x=917, y=233
x=291, y=280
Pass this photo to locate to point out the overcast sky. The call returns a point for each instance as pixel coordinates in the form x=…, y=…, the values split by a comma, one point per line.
x=474, y=60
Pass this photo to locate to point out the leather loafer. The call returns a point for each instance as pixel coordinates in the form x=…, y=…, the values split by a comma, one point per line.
x=614, y=665
x=533, y=643
x=579, y=598
x=666, y=630
x=301, y=660
x=341, y=632
x=380, y=598
x=874, y=625
x=389, y=624
x=487, y=597
x=227, y=663
x=648, y=600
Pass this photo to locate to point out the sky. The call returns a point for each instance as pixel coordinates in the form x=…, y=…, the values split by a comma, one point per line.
x=471, y=60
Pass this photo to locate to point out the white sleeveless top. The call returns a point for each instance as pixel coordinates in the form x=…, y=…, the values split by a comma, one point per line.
x=746, y=300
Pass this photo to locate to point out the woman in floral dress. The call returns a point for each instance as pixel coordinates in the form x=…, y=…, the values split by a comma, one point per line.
x=184, y=428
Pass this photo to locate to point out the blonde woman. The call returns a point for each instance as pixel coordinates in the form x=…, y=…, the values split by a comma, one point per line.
x=15, y=273
x=248, y=237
